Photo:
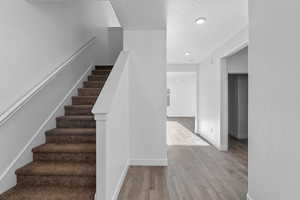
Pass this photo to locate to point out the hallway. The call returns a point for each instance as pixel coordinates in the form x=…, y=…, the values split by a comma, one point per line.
x=195, y=172
x=180, y=132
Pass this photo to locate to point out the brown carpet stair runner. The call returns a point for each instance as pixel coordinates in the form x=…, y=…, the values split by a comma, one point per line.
x=64, y=168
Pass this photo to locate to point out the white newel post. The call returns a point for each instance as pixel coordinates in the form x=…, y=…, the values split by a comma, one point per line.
x=100, y=156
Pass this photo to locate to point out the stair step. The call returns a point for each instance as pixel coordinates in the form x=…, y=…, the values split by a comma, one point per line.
x=65, y=148
x=65, y=166
x=97, y=77
x=89, y=91
x=71, y=135
x=65, y=152
x=69, y=174
x=49, y=193
x=76, y=121
x=78, y=110
x=93, y=84
x=84, y=100
x=104, y=67
x=101, y=72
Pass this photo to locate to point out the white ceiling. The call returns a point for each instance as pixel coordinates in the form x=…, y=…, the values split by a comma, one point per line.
x=225, y=18
x=141, y=14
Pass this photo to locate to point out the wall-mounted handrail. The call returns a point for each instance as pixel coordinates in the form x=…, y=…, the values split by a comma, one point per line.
x=15, y=107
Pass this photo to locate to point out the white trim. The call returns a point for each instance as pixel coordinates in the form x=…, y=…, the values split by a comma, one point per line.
x=108, y=92
x=188, y=116
x=248, y=197
x=224, y=94
x=209, y=140
x=149, y=162
x=100, y=117
x=12, y=110
x=51, y=116
x=121, y=181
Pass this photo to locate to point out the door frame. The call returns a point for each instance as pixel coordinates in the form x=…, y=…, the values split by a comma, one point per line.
x=224, y=96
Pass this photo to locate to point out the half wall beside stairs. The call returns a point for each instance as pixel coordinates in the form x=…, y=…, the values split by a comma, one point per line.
x=23, y=126
x=65, y=166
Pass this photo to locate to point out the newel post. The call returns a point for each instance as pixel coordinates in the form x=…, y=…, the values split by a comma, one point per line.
x=100, y=156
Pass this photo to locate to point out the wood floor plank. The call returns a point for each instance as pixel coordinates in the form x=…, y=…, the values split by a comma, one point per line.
x=196, y=171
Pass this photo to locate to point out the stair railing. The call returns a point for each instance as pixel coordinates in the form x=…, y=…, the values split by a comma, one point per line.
x=102, y=110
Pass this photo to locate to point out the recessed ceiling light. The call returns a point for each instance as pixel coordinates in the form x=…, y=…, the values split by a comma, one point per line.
x=187, y=53
x=200, y=20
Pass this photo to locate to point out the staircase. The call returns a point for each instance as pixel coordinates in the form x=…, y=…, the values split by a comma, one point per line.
x=64, y=168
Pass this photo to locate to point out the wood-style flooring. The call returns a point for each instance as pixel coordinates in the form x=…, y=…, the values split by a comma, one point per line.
x=195, y=172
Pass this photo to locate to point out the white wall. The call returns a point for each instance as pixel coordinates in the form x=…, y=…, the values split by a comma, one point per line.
x=147, y=76
x=238, y=63
x=101, y=19
x=182, y=67
x=25, y=129
x=182, y=87
x=43, y=35
x=274, y=100
x=35, y=41
x=118, y=138
x=210, y=89
x=109, y=44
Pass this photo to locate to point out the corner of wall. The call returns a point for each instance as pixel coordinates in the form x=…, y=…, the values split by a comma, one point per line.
x=121, y=181
x=248, y=197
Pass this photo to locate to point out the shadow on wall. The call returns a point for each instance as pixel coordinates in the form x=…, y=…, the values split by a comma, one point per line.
x=109, y=44
x=187, y=122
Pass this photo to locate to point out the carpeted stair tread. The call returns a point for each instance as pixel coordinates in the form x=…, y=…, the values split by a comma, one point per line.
x=93, y=84
x=104, y=67
x=65, y=166
x=78, y=110
x=76, y=121
x=65, y=148
x=84, y=100
x=58, y=169
x=89, y=91
x=71, y=135
x=72, y=131
x=76, y=117
x=97, y=77
x=49, y=193
x=79, y=106
x=101, y=72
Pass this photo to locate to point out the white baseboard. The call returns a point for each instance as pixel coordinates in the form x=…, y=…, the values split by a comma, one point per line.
x=35, y=139
x=248, y=197
x=181, y=116
x=209, y=140
x=223, y=148
x=120, y=182
x=149, y=162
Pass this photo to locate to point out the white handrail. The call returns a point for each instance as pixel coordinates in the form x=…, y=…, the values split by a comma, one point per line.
x=105, y=99
x=7, y=114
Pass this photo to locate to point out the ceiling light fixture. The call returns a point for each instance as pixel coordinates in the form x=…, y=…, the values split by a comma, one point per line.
x=200, y=20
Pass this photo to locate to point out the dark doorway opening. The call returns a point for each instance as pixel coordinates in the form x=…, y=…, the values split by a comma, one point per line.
x=238, y=112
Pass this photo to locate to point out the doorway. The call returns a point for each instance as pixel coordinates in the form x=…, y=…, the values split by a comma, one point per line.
x=234, y=73
x=238, y=111
x=182, y=107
